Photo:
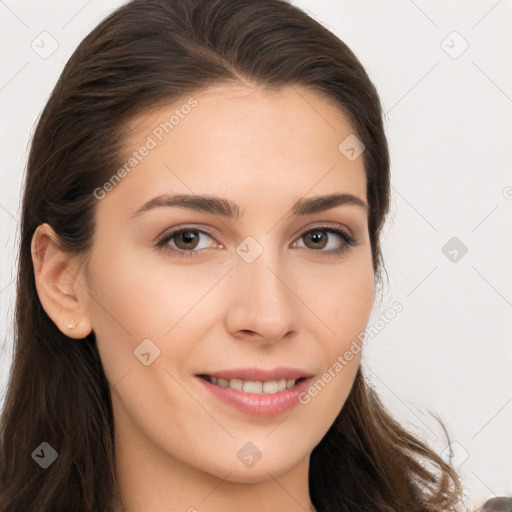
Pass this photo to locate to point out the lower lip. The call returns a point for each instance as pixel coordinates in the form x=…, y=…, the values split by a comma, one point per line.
x=256, y=404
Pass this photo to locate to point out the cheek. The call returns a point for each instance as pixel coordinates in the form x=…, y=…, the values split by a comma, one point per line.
x=351, y=305
x=122, y=310
x=344, y=303
x=343, y=300
x=342, y=297
x=135, y=300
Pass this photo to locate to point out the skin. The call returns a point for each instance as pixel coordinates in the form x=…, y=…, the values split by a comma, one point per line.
x=176, y=444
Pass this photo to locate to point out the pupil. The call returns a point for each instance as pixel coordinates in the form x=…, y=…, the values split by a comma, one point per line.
x=316, y=236
x=188, y=237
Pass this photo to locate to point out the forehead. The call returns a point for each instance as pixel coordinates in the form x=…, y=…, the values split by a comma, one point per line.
x=229, y=104
x=282, y=142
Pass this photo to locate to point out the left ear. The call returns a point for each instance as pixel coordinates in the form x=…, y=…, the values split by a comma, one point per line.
x=60, y=283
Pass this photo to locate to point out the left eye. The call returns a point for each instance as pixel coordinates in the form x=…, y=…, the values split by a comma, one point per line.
x=186, y=240
x=318, y=236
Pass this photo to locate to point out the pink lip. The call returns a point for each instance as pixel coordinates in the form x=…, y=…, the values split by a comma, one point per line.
x=261, y=374
x=255, y=404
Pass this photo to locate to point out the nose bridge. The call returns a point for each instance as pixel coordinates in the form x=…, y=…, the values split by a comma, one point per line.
x=262, y=301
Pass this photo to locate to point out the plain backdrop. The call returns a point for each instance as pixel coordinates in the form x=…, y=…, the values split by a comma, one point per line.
x=443, y=72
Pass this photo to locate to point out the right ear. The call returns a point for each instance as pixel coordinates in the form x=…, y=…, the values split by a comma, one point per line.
x=57, y=275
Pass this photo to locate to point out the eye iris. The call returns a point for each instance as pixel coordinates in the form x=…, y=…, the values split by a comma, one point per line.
x=187, y=237
x=316, y=236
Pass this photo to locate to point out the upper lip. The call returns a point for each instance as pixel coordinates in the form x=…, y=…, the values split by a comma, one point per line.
x=261, y=374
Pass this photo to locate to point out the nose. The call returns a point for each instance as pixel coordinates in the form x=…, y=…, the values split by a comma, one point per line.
x=263, y=303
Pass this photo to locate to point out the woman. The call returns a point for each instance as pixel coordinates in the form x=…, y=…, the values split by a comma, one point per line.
x=199, y=254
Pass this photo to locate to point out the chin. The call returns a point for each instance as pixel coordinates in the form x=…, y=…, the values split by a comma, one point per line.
x=260, y=471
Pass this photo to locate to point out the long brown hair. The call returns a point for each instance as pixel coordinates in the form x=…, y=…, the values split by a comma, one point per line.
x=145, y=54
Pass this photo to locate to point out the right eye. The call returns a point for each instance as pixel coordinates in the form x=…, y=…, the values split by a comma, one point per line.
x=185, y=241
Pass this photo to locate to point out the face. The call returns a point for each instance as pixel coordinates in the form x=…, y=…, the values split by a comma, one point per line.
x=185, y=301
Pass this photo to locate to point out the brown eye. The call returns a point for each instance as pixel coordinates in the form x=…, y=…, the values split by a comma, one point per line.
x=318, y=239
x=184, y=242
x=186, y=239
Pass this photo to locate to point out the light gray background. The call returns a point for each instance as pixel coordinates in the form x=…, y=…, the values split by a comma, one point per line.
x=448, y=119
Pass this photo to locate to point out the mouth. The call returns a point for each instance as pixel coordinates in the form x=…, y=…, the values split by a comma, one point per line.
x=257, y=391
x=263, y=387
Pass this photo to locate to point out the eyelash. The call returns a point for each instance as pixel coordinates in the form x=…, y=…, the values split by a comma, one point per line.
x=162, y=240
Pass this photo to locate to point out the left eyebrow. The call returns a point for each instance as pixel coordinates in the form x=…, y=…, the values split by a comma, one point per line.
x=229, y=209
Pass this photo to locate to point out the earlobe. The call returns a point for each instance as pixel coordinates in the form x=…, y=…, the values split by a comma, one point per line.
x=57, y=273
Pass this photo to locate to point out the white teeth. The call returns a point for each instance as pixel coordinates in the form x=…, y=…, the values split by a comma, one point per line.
x=236, y=384
x=223, y=383
x=270, y=387
x=252, y=386
x=255, y=386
